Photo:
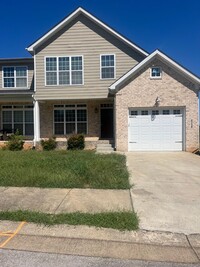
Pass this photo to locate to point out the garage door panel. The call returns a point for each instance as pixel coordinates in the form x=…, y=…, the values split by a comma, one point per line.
x=156, y=132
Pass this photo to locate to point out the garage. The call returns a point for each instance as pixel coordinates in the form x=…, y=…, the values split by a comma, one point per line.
x=156, y=129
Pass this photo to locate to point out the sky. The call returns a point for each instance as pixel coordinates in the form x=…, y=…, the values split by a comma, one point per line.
x=173, y=26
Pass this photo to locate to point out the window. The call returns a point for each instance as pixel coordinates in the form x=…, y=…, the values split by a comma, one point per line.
x=144, y=112
x=107, y=66
x=18, y=117
x=166, y=112
x=134, y=112
x=156, y=72
x=64, y=70
x=15, y=77
x=176, y=111
x=70, y=119
x=155, y=112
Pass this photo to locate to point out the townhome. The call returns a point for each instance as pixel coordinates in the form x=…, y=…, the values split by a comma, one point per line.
x=84, y=77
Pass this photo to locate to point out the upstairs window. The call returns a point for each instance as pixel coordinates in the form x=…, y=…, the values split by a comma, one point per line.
x=107, y=66
x=156, y=72
x=64, y=70
x=15, y=77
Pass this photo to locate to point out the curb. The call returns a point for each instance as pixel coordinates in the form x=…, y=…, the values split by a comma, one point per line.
x=102, y=242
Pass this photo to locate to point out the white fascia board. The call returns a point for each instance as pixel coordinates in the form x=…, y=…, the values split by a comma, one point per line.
x=114, y=33
x=133, y=70
x=148, y=59
x=53, y=30
x=179, y=67
x=74, y=14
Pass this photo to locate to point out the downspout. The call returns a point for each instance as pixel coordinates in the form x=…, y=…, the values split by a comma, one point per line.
x=115, y=134
x=33, y=96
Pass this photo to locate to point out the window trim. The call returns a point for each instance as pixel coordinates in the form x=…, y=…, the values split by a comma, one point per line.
x=156, y=77
x=108, y=54
x=22, y=108
x=15, y=77
x=57, y=71
x=70, y=108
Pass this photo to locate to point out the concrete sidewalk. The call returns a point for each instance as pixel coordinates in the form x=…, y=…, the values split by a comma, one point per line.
x=64, y=200
x=89, y=241
x=108, y=243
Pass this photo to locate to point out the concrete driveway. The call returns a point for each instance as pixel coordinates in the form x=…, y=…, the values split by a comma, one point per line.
x=166, y=191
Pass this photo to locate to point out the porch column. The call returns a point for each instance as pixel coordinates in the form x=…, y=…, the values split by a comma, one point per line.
x=36, y=122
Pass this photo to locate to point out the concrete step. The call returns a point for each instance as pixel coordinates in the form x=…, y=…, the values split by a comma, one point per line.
x=108, y=141
x=104, y=148
x=105, y=145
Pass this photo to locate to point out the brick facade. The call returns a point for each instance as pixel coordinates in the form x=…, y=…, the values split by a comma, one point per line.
x=173, y=90
x=93, y=112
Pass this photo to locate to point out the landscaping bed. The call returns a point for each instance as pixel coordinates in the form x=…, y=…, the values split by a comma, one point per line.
x=63, y=169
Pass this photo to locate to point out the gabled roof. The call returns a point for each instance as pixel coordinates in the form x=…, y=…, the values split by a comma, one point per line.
x=164, y=58
x=72, y=16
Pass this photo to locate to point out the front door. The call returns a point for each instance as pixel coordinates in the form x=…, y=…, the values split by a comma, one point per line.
x=107, y=123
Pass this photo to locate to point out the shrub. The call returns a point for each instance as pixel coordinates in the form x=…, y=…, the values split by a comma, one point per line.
x=15, y=142
x=76, y=142
x=49, y=144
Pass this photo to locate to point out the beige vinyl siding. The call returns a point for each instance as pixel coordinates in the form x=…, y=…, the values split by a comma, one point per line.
x=13, y=64
x=82, y=37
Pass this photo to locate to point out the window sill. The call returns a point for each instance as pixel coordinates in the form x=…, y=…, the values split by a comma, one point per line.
x=107, y=79
x=15, y=88
x=64, y=85
x=155, y=78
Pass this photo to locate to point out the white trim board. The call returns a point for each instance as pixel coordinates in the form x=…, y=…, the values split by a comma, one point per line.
x=57, y=70
x=108, y=54
x=148, y=59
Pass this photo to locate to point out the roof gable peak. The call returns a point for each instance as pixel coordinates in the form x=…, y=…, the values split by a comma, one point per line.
x=71, y=17
x=157, y=53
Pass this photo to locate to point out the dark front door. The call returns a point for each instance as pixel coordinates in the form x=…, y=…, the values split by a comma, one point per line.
x=107, y=123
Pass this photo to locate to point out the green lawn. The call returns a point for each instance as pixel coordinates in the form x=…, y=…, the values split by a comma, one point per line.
x=63, y=169
x=115, y=220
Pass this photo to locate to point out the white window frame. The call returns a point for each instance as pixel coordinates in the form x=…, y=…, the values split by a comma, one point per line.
x=109, y=54
x=57, y=70
x=15, y=77
x=19, y=107
x=156, y=77
x=70, y=108
x=172, y=111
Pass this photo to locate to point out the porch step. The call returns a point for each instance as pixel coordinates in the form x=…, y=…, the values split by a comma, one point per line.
x=106, y=141
x=105, y=147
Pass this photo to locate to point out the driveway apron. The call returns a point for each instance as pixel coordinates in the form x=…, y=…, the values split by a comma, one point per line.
x=166, y=190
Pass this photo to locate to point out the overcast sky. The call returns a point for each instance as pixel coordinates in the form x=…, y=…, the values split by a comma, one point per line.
x=172, y=26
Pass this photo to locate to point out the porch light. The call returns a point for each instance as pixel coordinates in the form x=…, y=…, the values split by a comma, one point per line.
x=96, y=110
x=157, y=101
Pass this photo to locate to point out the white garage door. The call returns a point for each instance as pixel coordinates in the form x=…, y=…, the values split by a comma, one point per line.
x=155, y=129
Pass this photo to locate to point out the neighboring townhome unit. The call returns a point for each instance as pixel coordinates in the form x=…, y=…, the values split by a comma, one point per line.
x=16, y=90
x=84, y=77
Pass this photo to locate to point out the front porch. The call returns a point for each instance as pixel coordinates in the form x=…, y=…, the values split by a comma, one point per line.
x=44, y=119
x=63, y=118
